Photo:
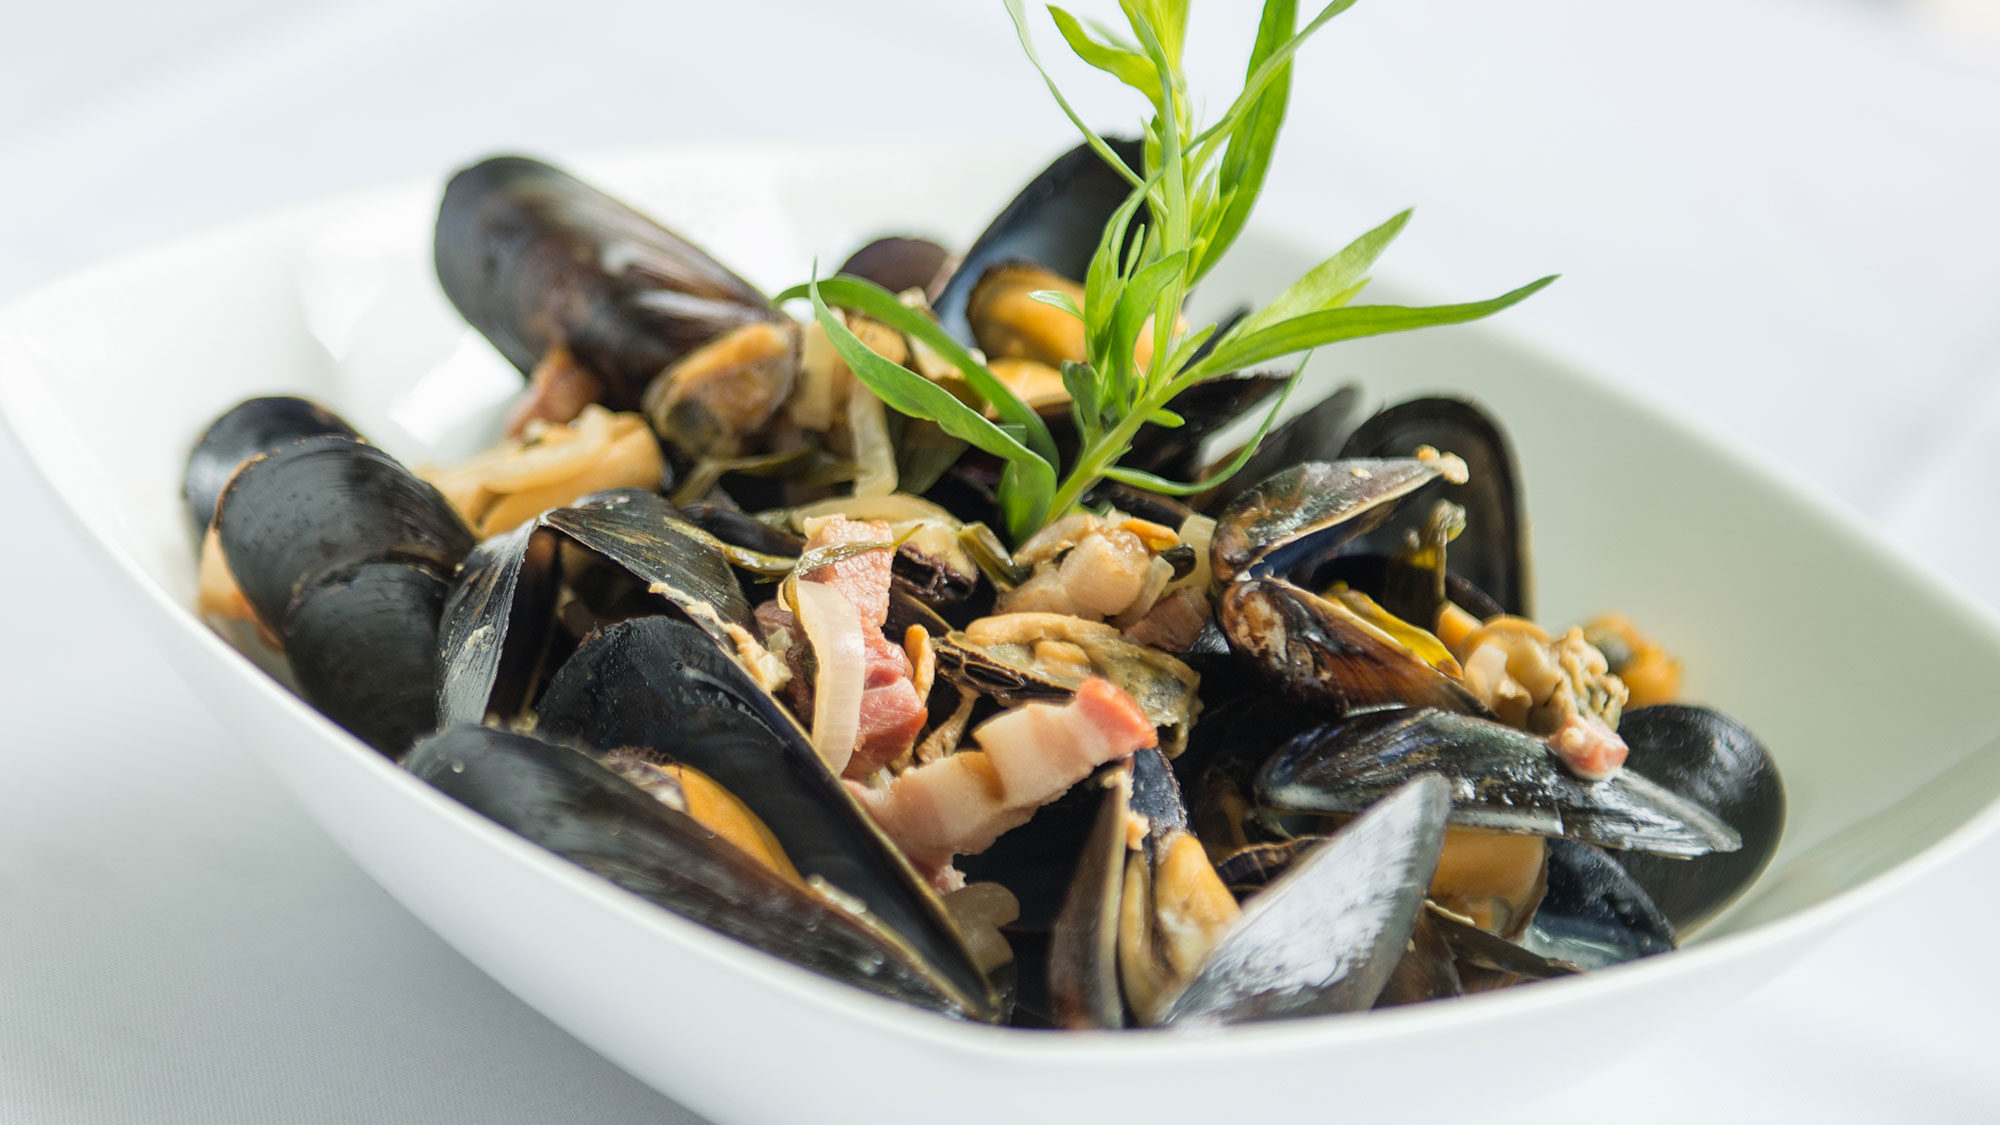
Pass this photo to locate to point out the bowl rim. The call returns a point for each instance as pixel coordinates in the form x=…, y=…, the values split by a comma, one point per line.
x=289, y=226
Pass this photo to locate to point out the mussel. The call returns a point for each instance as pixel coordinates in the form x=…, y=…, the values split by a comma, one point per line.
x=535, y=258
x=345, y=557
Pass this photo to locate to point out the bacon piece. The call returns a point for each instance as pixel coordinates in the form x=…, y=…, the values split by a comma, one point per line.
x=1029, y=756
x=862, y=579
x=892, y=714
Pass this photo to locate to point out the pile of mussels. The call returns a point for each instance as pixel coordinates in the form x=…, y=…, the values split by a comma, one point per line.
x=1323, y=811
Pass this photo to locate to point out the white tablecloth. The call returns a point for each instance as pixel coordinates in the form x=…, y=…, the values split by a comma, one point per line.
x=1776, y=216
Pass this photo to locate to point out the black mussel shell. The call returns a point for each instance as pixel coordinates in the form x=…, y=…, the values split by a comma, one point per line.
x=1357, y=896
x=1595, y=914
x=1291, y=523
x=1501, y=779
x=664, y=687
x=1084, y=990
x=1055, y=222
x=1492, y=552
x=1480, y=949
x=1428, y=969
x=1206, y=409
x=500, y=616
x=1317, y=434
x=896, y=263
x=324, y=504
x=564, y=801
x=1711, y=760
x=1318, y=653
x=532, y=257
x=1084, y=977
x=252, y=427
x=362, y=642
x=496, y=626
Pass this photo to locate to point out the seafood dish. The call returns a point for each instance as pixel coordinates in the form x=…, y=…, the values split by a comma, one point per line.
x=951, y=640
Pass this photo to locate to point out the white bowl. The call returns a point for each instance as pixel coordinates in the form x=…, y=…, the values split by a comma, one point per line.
x=1867, y=678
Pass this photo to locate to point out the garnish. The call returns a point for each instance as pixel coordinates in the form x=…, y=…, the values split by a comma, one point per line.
x=1197, y=187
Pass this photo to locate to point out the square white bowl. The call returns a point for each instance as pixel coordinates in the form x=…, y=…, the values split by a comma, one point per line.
x=1866, y=677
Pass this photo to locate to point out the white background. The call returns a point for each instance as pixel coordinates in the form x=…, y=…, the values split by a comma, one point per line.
x=1775, y=216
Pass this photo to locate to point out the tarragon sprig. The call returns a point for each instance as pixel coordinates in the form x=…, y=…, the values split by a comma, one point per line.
x=1197, y=186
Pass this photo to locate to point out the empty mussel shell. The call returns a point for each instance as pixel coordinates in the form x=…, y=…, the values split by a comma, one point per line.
x=1356, y=896
x=1501, y=779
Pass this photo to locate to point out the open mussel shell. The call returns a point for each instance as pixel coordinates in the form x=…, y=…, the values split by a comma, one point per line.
x=1711, y=760
x=498, y=620
x=666, y=688
x=1315, y=434
x=1327, y=935
x=250, y=428
x=1055, y=222
x=1319, y=653
x=1475, y=948
x=1428, y=969
x=1292, y=522
x=1595, y=913
x=1501, y=779
x=327, y=503
x=533, y=257
x=1492, y=552
x=564, y=801
x=1083, y=946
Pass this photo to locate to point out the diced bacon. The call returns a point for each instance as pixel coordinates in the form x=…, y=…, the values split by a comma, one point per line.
x=892, y=714
x=949, y=807
x=862, y=579
x=1030, y=755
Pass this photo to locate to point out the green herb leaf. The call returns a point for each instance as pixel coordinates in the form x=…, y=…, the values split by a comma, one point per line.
x=912, y=394
x=1328, y=285
x=870, y=299
x=1058, y=299
x=1252, y=143
x=1126, y=66
x=1090, y=136
x=1140, y=300
x=1315, y=329
x=1081, y=383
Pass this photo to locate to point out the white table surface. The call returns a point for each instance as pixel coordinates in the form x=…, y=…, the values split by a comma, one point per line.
x=1776, y=216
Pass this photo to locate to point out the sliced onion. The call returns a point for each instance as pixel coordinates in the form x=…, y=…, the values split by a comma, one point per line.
x=840, y=652
x=868, y=424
